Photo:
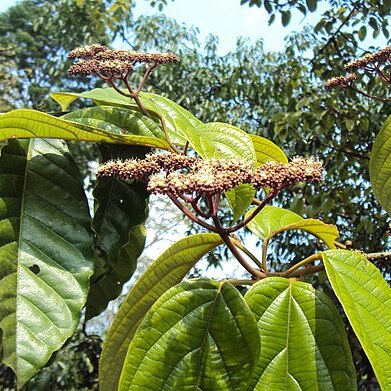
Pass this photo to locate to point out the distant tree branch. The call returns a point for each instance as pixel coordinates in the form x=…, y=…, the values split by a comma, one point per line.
x=332, y=37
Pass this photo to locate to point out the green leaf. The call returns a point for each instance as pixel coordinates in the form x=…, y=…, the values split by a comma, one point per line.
x=178, y=120
x=303, y=340
x=102, y=96
x=362, y=33
x=380, y=166
x=350, y=124
x=45, y=251
x=35, y=124
x=168, y=270
x=199, y=335
x=272, y=220
x=285, y=18
x=120, y=213
x=240, y=199
x=366, y=299
x=266, y=150
x=221, y=140
x=116, y=120
x=311, y=5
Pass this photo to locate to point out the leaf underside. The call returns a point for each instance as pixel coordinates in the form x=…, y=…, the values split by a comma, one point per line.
x=380, y=166
x=366, y=299
x=168, y=269
x=199, y=335
x=303, y=340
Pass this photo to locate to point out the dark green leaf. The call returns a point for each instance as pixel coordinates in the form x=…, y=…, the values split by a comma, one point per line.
x=45, y=251
x=362, y=33
x=285, y=18
x=311, y=4
x=121, y=210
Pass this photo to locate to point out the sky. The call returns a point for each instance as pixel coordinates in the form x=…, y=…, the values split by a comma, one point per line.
x=228, y=20
x=225, y=18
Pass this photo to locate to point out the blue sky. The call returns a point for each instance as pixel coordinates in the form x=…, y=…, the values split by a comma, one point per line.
x=225, y=18
x=228, y=20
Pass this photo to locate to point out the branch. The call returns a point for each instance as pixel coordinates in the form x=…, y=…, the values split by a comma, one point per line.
x=190, y=215
x=332, y=38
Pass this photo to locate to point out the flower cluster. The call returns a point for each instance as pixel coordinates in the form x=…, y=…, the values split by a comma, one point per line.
x=370, y=62
x=341, y=81
x=142, y=169
x=181, y=175
x=376, y=58
x=102, y=61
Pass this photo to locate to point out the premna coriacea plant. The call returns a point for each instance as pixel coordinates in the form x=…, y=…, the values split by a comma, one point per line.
x=171, y=333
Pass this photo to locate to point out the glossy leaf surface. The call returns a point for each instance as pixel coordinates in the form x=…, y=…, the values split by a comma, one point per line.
x=116, y=120
x=168, y=270
x=221, y=140
x=266, y=150
x=35, y=124
x=303, y=340
x=199, y=335
x=366, y=299
x=179, y=121
x=380, y=166
x=272, y=220
x=45, y=251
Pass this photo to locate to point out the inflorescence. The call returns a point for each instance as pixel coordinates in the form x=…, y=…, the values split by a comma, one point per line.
x=102, y=61
x=371, y=62
x=182, y=175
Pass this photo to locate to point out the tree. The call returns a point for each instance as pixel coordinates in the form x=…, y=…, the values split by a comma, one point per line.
x=292, y=109
x=164, y=321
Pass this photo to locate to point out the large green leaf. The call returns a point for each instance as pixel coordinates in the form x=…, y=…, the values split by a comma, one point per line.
x=120, y=213
x=272, y=220
x=179, y=121
x=366, y=299
x=200, y=335
x=45, y=252
x=168, y=270
x=380, y=166
x=266, y=150
x=35, y=124
x=303, y=340
x=116, y=120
